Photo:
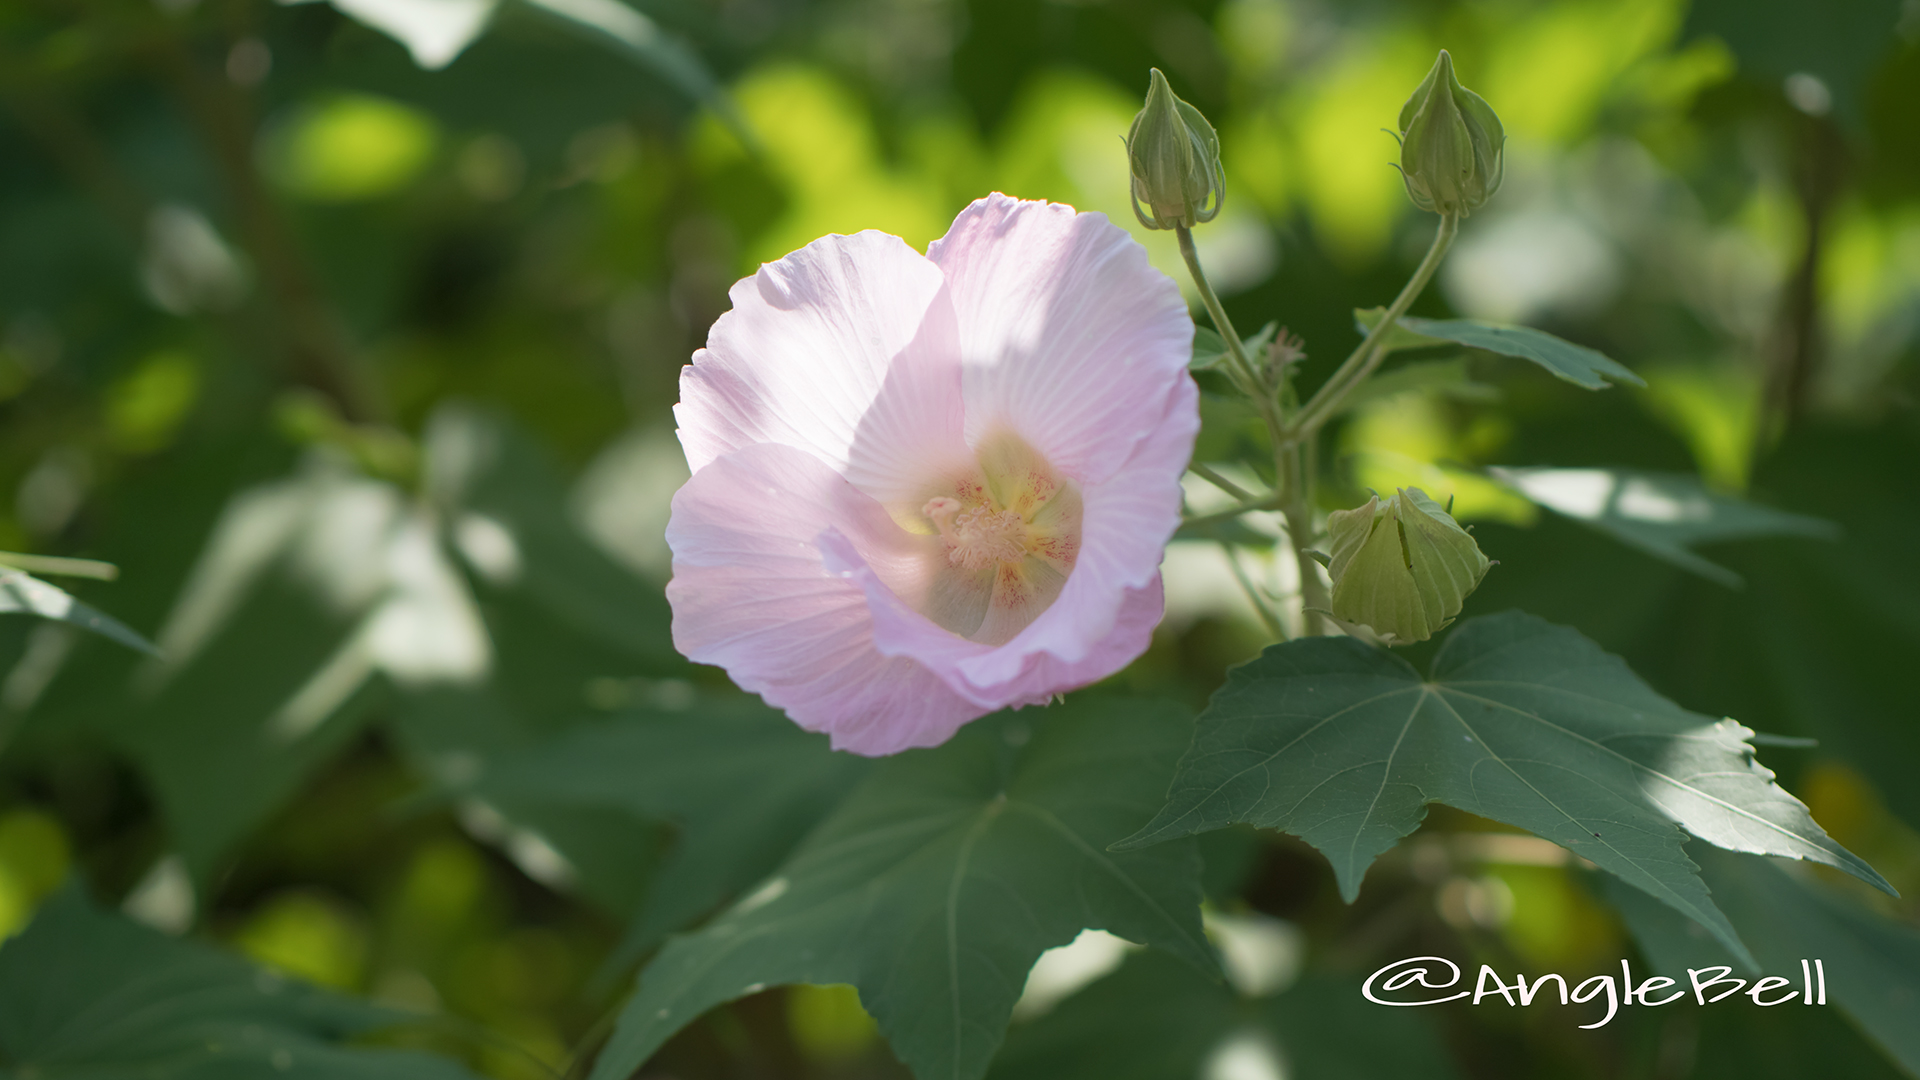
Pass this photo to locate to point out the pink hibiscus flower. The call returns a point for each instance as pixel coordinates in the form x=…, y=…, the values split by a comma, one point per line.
x=929, y=487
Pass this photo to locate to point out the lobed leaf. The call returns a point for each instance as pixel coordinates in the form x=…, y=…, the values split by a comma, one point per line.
x=1344, y=745
x=939, y=882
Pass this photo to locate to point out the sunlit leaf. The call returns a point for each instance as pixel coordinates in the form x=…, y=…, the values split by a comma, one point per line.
x=1662, y=514
x=1157, y=1018
x=1576, y=364
x=939, y=882
x=1344, y=745
x=85, y=994
x=1872, y=964
x=27, y=595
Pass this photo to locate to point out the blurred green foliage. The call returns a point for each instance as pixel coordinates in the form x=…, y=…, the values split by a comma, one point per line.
x=359, y=370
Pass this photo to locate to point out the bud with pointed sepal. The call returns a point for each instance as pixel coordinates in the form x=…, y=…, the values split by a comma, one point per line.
x=1451, y=144
x=1402, y=568
x=1174, y=156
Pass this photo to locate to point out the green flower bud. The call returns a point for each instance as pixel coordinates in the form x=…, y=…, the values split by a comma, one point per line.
x=1402, y=568
x=1451, y=144
x=1174, y=155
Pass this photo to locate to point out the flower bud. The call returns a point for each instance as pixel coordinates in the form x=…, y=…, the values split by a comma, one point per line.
x=1174, y=155
x=1402, y=568
x=1451, y=144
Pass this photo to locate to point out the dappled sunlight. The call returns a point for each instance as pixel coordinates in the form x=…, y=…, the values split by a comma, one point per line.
x=1407, y=441
x=819, y=140
x=1716, y=409
x=1354, y=195
x=518, y=560
x=1554, y=67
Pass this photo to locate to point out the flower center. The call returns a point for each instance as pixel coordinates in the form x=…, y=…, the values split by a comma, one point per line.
x=980, y=537
x=1008, y=533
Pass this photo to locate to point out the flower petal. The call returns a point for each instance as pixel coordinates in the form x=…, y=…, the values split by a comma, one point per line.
x=750, y=593
x=846, y=349
x=1067, y=335
x=1042, y=673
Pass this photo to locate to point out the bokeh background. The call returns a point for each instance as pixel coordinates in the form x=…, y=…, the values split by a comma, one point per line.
x=349, y=332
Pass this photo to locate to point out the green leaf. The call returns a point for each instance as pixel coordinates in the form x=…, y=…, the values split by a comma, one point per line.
x=1527, y=723
x=741, y=782
x=939, y=882
x=1157, y=1018
x=1399, y=338
x=1448, y=378
x=1662, y=514
x=91, y=996
x=25, y=594
x=260, y=683
x=1401, y=568
x=1872, y=963
x=1210, y=349
x=1576, y=364
x=631, y=33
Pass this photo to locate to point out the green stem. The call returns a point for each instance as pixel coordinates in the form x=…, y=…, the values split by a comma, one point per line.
x=1270, y=502
x=1298, y=443
x=1298, y=512
x=1254, y=596
x=1321, y=407
x=1243, y=367
x=1212, y=477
